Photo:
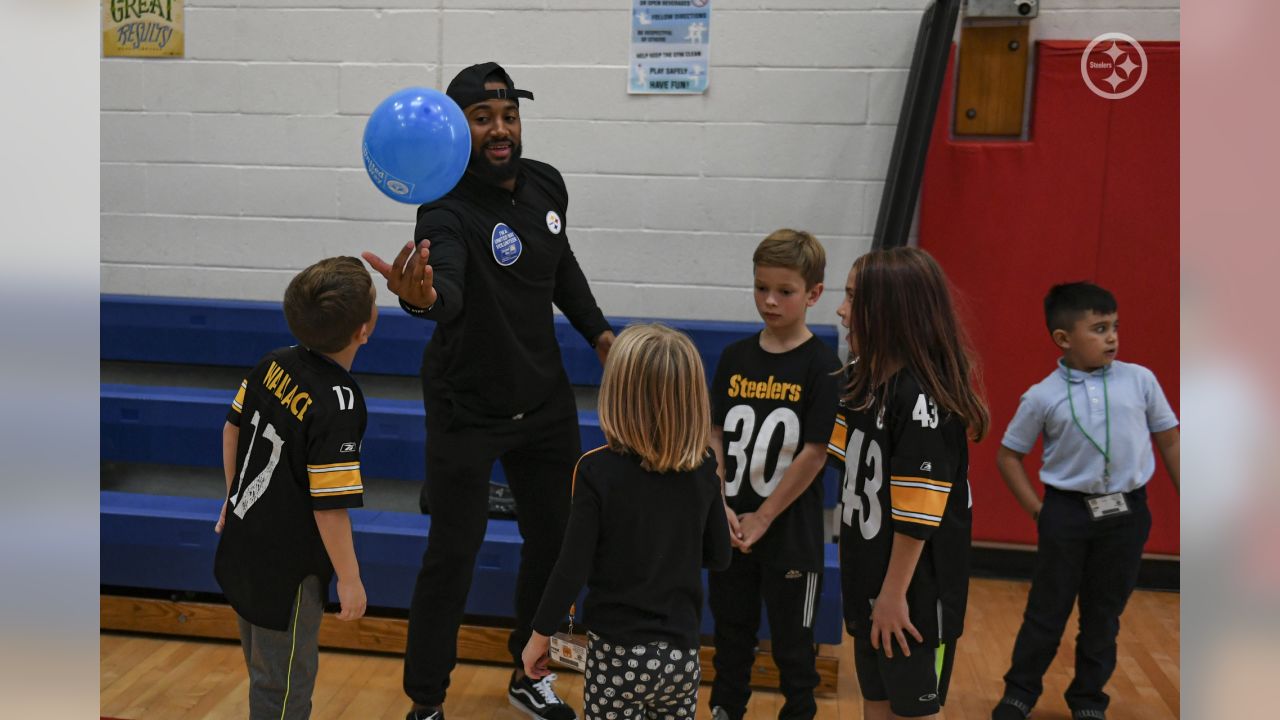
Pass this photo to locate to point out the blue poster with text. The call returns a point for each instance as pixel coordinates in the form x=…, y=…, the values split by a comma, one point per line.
x=670, y=46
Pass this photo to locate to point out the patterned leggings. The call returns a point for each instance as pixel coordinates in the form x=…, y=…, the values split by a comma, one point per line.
x=644, y=682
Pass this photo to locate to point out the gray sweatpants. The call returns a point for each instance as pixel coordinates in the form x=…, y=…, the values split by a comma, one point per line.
x=282, y=664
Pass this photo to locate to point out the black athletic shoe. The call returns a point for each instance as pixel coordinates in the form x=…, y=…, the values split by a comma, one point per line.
x=538, y=699
x=1010, y=709
x=425, y=714
x=1088, y=715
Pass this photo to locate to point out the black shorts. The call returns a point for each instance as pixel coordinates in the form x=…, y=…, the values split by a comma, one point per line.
x=914, y=686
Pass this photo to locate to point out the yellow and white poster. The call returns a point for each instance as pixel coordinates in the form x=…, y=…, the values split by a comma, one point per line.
x=142, y=28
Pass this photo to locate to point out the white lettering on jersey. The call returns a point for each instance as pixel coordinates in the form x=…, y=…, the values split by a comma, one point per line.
x=242, y=503
x=925, y=412
x=744, y=417
x=349, y=401
x=869, y=525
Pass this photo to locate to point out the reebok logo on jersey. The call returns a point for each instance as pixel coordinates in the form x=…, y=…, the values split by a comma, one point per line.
x=347, y=447
x=793, y=574
x=926, y=466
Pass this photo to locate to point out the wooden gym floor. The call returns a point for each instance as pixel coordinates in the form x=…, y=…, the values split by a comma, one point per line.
x=147, y=677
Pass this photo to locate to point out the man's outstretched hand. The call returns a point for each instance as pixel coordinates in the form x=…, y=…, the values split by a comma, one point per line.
x=408, y=276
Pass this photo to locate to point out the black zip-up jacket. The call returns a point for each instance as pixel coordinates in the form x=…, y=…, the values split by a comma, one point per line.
x=494, y=350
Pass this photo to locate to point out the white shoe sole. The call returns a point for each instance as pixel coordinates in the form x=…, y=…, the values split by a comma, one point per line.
x=522, y=708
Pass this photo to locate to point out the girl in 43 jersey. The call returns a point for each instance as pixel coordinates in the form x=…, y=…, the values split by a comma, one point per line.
x=910, y=404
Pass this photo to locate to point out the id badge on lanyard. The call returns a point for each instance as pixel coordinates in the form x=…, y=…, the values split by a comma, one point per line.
x=1106, y=506
x=570, y=650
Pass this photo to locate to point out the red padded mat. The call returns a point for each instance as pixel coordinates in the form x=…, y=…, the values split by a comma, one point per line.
x=1092, y=195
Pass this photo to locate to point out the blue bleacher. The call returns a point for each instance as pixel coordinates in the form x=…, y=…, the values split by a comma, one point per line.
x=237, y=333
x=166, y=542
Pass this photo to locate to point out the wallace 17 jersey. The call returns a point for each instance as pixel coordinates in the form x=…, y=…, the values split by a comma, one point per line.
x=905, y=465
x=301, y=418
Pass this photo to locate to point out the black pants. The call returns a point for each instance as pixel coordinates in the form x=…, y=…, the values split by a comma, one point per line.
x=1097, y=560
x=791, y=600
x=538, y=452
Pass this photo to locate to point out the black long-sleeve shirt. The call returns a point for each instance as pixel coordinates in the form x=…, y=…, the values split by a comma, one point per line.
x=638, y=540
x=500, y=260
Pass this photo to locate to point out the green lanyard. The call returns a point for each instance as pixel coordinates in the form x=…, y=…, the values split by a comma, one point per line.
x=1106, y=399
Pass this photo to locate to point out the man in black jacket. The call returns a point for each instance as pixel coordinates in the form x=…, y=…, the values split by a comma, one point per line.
x=491, y=258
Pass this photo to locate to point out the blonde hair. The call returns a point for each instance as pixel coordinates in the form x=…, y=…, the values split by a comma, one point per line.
x=794, y=250
x=653, y=399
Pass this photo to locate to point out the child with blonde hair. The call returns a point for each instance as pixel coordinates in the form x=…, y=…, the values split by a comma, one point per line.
x=647, y=516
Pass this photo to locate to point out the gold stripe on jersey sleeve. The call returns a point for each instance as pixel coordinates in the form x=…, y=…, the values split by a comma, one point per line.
x=335, y=479
x=917, y=519
x=238, y=403
x=918, y=503
x=339, y=491
x=839, y=438
x=329, y=467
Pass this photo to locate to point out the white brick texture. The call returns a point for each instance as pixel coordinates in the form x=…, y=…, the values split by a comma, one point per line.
x=225, y=171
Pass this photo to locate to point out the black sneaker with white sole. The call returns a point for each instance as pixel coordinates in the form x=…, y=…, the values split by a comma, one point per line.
x=424, y=714
x=538, y=699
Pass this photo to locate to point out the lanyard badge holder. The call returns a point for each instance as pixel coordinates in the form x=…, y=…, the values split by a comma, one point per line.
x=569, y=648
x=1104, y=505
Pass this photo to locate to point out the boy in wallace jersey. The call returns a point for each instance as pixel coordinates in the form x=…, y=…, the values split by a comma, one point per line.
x=1097, y=416
x=773, y=401
x=291, y=453
x=908, y=404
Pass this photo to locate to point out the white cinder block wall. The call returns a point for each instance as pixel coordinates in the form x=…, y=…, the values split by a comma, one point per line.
x=226, y=171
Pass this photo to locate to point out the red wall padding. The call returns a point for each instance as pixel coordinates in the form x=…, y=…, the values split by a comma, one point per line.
x=1093, y=195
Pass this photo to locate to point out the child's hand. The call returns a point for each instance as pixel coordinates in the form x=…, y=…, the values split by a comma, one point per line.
x=889, y=618
x=222, y=519
x=752, y=527
x=535, y=657
x=735, y=530
x=351, y=596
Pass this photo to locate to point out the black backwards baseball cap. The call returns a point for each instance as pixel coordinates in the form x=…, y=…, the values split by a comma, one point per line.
x=467, y=87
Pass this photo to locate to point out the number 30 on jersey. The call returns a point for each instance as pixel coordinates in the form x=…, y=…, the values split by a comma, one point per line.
x=741, y=419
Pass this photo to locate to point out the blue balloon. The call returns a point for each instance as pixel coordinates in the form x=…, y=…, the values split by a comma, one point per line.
x=416, y=145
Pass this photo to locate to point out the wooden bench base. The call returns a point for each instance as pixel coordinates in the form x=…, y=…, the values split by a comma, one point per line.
x=382, y=635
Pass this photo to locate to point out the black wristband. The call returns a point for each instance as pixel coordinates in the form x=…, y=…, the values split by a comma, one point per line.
x=415, y=310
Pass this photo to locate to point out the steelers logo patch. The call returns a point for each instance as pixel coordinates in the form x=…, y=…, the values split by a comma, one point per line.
x=553, y=222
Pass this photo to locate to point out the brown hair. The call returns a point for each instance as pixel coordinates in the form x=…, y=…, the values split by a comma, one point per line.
x=653, y=399
x=795, y=250
x=326, y=303
x=901, y=315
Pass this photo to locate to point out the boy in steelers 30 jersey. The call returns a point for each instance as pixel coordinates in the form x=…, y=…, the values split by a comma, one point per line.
x=773, y=401
x=905, y=471
x=291, y=452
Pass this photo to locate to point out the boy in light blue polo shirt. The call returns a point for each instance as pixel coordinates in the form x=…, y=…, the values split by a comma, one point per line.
x=1097, y=417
